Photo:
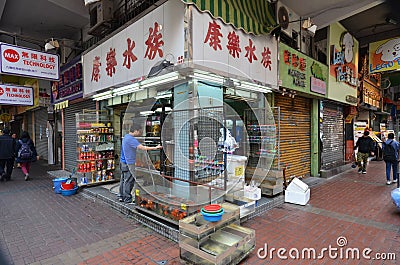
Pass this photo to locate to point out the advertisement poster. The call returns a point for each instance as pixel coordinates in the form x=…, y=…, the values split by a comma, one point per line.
x=384, y=55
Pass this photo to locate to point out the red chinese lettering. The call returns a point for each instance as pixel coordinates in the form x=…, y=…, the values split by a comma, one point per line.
x=233, y=44
x=287, y=57
x=302, y=64
x=52, y=59
x=24, y=54
x=34, y=56
x=43, y=58
x=250, y=49
x=128, y=54
x=27, y=91
x=8, y=89
x=154, y=43
x=111, y=62
x=266, y=58
x=295, y=60
x=213, y=35
x=14, y=90
x=21, y=90
x=96, y=69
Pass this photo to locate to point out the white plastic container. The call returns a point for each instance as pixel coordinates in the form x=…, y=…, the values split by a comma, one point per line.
x=297, y=192
x=236, y=165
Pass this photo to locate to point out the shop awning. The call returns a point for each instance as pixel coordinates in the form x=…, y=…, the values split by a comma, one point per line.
x=255, y=16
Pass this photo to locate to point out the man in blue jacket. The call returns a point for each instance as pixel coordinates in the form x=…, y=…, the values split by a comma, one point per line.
x=390, y=150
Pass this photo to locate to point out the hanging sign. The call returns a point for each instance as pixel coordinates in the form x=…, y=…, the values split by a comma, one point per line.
x=30, y=63
x=133, y=52
x=225, y=49
x=16, y=95
x=384, y=55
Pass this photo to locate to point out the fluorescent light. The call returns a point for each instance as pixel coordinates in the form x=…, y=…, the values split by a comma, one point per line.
x=166, y=109
x=103, y=97
x=103, y=94
x=159, y=82
x=254, y=87
x=167, y=95
x=146, y=113
x=208, y=77
x=127, y=89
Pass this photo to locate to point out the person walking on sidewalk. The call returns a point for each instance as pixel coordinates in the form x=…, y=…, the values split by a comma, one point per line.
x=365, y=146
x=7, y=152
x=390, y=150
x=26, y=153
x=128, y=150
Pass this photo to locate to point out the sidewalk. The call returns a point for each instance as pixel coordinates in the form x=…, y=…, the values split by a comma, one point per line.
x=40, y=227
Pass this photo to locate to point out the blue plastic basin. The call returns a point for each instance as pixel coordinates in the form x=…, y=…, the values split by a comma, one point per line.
x=57, y=184
x=212, y=217
x=69, y=192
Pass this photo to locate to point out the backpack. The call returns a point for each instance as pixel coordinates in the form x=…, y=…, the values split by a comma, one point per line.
x=25, y=151
x=389, y=153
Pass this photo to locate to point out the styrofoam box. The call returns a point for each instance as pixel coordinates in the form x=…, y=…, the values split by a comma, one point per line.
x=297, y=185
x=252, y=193
x=236, y=165
x=295, y=197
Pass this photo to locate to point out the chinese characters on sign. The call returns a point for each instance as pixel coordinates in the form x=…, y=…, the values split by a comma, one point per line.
x=16, y=95
x=70, y=83
x=154, y=45
x=213, y=38
x=297, y=66
x=22, y=61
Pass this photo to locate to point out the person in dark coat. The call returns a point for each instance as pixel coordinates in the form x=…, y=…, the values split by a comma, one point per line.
x=365, y=146
x=7, y=152
x=26, y=162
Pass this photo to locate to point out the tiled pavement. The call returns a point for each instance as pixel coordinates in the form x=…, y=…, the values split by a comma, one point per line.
x=40, y=227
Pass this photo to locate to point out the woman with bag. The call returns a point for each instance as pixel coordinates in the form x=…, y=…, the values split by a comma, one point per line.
x=26, y=153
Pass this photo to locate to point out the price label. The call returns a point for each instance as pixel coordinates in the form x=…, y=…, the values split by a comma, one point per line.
x=239, y=171
x=137, y=192
x=183, y=206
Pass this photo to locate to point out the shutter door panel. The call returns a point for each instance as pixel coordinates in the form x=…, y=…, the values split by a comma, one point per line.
x=70, y=138
x=41, y=142
x=332, y=136
x=295, y=140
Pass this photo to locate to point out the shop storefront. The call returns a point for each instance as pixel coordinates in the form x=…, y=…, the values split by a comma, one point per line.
x=342, y=93
x=67, y=101
x=303, y=84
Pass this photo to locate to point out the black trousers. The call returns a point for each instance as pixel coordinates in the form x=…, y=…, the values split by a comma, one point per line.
x=6, y=168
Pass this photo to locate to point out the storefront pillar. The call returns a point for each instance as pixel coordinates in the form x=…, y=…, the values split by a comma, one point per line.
x=314, y=138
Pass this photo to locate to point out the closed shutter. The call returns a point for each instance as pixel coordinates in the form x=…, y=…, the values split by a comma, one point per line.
x=295, y=135
x=70, y=139
x=41, y=140
x=29, y=123
x=332, y=154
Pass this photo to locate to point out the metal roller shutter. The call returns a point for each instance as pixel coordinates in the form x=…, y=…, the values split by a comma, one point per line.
x=295, y=140
x=41, y=140
x=70, y=141
x=332, y=136
x=29, y=123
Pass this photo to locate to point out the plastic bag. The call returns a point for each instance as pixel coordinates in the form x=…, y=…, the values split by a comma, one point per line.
x=396, y=197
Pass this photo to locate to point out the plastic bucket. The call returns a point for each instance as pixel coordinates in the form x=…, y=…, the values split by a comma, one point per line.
x=57, y=184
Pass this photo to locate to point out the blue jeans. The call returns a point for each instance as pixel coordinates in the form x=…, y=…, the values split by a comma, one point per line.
x=390, y=165
x=127, y=182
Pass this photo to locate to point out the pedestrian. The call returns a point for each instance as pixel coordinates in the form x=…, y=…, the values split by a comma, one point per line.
x=14, y=136
x=7, y=152
x=365, y=146
x=390, y=149
x=26, y=153
x=128, y=159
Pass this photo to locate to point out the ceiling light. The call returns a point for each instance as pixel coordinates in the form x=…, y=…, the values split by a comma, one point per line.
x=127, y=89
x=88, y=2
x=158, y=81
x=208, y=78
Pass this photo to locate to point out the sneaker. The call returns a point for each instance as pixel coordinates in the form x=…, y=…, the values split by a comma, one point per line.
x=395, y=181
x=120, y=200
x=359, y=170
x=26, y=177
x=388, y=182
x=364, y=172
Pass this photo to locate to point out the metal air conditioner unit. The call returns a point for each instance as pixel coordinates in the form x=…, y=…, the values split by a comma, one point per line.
x=101, y=17
x=285, y=18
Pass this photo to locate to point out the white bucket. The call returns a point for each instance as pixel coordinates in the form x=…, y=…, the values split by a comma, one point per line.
x=236, y=165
